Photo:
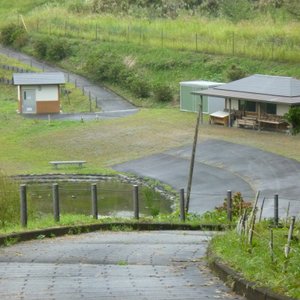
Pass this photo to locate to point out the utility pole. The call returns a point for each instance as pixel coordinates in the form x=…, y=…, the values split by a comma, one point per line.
x=189, y=187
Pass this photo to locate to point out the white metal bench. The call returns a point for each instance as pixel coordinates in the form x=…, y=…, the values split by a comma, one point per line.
x=67, y=162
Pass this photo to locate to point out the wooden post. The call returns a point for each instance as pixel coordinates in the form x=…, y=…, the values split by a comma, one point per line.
x=287, y=213
x=251, y=231
x=229, y=117
x=233, y=42
x=276, y=217
x=196, y=42
x=136, y=201
x=201, y=108
x=261, y=209
x=96, y=35
x=287, y=248
x=229, y=205
x=162, y=38
x=189, y=187
x=182, y=205
x=23, y=205
x=55, y=198
x=271, y=245
x=90, y=100
x=94, y=201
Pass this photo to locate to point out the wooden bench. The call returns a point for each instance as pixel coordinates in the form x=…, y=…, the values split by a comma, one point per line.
x=67, y=162
x=247, y=122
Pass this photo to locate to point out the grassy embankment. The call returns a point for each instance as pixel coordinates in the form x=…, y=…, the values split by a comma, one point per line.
x=166, y=51
x=255, y=263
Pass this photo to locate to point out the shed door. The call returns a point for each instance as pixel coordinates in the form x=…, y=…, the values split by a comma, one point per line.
x=29, y=101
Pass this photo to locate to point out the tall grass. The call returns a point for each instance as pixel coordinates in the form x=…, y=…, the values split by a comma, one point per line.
x=263, y=39
x=9, y=201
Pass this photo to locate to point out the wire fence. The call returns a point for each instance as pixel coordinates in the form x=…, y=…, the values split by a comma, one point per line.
x=271, y=47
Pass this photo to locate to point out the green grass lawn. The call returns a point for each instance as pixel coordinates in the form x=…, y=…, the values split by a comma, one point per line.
x=29, y=145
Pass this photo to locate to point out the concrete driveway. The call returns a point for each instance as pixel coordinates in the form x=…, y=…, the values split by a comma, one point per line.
x=220, y=166
x=111, y=265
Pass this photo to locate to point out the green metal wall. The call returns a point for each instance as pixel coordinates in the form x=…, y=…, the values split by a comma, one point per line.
x=189, y=102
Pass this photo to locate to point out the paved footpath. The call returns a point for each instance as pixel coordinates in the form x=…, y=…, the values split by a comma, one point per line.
x=111, y=265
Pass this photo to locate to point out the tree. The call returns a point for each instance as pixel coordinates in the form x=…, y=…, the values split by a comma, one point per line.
x=293, y=118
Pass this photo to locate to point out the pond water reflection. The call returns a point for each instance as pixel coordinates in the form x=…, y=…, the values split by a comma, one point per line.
x=114, y=198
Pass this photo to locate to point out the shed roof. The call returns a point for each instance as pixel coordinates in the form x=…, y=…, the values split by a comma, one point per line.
x=200, y=83
x=38, y=78
x=261, y=88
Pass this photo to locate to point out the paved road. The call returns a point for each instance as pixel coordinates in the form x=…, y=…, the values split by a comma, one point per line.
x=111, y=104
x=221, y=166
x=111, y=265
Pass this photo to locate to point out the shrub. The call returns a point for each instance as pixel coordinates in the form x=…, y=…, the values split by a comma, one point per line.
x=293, y=7
x=234, y=73
x=78, y=6
x=140, y=87
x=57, y=49
x=9, y=201
x=13, y=35
x=163, y=93
x=293, y=118
x=238, y=205
x=236, y=10
x=40, y=47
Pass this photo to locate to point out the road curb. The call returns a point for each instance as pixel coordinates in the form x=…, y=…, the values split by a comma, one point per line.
x=238, y=284
x=115, y=226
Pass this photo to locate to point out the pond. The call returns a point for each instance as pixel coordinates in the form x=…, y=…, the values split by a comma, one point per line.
x=114, y=199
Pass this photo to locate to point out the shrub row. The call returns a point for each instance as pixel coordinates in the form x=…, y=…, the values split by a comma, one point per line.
x=234, y=10
x=51, y=49
x=109, y=67
x=13, y=35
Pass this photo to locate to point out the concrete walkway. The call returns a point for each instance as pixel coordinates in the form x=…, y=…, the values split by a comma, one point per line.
x=111, y=265
x=222, y=166
x=111, y=105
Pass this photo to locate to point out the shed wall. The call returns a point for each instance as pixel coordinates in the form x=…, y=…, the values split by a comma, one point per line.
x=47, y=107
x=190, y=102
x=44, y=92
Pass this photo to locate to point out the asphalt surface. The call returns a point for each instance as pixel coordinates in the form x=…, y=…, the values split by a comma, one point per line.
x=111, y=265
x=111, y=104
x=222, y=166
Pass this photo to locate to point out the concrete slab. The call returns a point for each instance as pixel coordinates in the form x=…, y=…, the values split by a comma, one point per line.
x=111, y=265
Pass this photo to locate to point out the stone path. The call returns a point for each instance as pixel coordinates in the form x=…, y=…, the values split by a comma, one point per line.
x=111, y=265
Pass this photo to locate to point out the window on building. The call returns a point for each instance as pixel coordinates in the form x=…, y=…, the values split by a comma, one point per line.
x=247, y=105
x=269, y=108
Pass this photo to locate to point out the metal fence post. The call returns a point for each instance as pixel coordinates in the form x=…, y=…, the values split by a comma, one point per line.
x=23, y=205
x=182, y=205
x=276, y=215
x=136, y=201
x=94, y=200
x=229, y=205
x=55, y=198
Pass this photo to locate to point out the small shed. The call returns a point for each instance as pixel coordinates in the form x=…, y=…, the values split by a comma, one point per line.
x=39, y=93
x=190, y=102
